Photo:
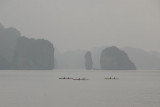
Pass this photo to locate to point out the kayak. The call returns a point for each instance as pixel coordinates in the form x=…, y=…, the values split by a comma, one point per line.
x=62, y=78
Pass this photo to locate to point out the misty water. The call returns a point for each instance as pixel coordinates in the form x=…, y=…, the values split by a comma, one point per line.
x=45, y=89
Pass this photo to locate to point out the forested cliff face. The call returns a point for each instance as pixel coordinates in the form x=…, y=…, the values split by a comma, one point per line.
x=34, y=54
x=114, y=59
x=17, y=52
x=8, y=38
x=4, y=64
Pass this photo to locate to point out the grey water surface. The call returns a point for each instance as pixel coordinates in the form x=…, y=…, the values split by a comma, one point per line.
x=45, y=89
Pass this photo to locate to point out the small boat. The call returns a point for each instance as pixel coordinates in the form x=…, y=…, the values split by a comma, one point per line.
x=69, y=78
x=77, y=79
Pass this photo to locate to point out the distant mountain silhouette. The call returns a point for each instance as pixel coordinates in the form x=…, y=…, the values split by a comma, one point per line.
x=17, y=52
x=143, y=60
x=88, y=60
x=80, y=59
x=113, y=58
x=70, y=60
x=96, y=53
x=155, y=53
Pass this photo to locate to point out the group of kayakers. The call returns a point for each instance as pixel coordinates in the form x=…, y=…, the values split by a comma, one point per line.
x=85, y=78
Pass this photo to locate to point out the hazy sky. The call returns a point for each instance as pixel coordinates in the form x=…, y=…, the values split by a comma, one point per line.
x=83, y=24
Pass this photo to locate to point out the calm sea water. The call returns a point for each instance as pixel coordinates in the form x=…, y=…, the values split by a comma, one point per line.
x=44, y=89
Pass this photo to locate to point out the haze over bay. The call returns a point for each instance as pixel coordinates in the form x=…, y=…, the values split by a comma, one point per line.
x=84, y=24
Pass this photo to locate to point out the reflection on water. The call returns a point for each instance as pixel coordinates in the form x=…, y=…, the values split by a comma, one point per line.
x=45, y=89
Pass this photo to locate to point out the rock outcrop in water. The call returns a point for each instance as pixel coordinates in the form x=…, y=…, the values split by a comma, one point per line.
x=88, y=60
x=114, y=59
x=34, y=54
